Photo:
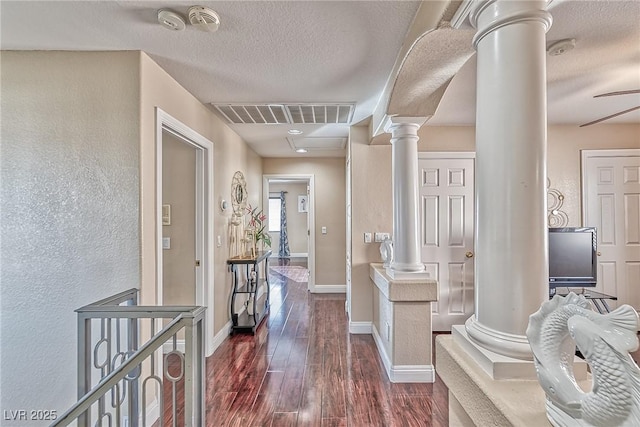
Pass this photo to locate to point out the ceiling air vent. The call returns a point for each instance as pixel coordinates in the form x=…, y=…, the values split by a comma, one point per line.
x=253, y=114
x=287, y=113
x=320, y=113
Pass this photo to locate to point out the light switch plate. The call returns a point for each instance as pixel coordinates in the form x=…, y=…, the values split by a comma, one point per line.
x=367, y=237
x=166, y=243
x=324, y=230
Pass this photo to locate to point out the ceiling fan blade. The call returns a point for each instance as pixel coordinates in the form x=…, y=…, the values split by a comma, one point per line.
x=620, y=92
x=611, y=116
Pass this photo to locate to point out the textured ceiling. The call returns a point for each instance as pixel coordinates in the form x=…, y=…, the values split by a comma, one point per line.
x=264, y=51
x=606, y=59
x=335, y=52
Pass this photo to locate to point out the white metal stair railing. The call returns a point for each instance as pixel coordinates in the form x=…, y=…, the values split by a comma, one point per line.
x=133, y=384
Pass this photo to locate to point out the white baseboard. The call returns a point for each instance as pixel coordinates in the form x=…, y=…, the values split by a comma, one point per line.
x=222, y=335
x=218, y=339
x=299, y=255
x=360, y=327
x=329, y=289
x=152, y=415
x=403, y=373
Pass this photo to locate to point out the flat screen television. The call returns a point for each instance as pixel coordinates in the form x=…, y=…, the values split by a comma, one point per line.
x=572, y=257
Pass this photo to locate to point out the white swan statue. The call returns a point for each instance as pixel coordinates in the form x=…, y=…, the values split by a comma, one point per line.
x=605, y=342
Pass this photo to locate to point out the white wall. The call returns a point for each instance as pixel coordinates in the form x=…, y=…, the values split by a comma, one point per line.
x=69, y=211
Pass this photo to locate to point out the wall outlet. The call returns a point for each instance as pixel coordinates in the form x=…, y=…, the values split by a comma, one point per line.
x=367, y=237
x=379, y=237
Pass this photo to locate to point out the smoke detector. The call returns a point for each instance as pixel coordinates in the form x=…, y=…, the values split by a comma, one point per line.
x=560, y=47
x=204, y=19
x=171, y=20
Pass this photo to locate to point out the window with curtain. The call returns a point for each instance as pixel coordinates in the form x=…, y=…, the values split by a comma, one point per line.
x=274, y=214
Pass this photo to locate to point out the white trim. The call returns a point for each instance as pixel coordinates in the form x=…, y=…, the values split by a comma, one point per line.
x=205, y=156
x=446, y=155
x=590, y=154
x=329, y=289
x=360, y=327
x=403, y=373
x=153, y=413
x=168, y=346
x=221, y=336
x=299, y=255
x=311, y=216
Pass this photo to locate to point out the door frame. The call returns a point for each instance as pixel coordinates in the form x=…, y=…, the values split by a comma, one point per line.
x=204, y=211
x=311, y=217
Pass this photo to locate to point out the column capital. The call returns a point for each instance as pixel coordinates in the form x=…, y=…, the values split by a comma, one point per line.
x=393, y=123
x=506, y=12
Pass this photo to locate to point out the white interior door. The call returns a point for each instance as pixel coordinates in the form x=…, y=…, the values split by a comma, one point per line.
x=611, y=203
x=446, y=215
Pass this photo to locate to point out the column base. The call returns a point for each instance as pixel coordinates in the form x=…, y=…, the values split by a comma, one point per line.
x=510, y=345
x=500, y=367
x=398, y=274
x=485, y=401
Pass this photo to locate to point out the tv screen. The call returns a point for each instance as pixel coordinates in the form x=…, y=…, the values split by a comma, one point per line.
x=572, y=257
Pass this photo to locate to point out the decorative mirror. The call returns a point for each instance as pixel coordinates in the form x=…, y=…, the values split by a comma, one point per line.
x=238, y=193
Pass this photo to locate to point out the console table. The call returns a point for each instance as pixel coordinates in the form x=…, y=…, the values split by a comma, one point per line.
x=257, y=305
x=597, y=299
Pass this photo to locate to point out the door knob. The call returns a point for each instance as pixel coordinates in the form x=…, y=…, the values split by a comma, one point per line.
x=599, y=253
x=469, y=254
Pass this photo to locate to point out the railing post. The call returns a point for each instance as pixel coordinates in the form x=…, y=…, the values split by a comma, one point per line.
x=189, y=383
x=134, y=402
x=84, y=364
x=200, y=372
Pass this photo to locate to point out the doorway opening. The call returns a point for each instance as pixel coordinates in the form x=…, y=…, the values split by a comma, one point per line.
x=184, y=177
x=288, y=201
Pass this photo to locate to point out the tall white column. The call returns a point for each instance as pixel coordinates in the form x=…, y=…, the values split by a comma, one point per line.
x=511, y=265
x=406, y=227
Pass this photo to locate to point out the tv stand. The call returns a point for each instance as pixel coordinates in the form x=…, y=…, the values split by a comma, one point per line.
x=598, y=299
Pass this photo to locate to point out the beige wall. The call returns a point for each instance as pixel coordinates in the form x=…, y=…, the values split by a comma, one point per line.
x=371, y=211
x=231, y=153
x=564, y=143
x=69, y=189
x=330, y=211
x=179, y=191
x=371, y=181
x=296, y=221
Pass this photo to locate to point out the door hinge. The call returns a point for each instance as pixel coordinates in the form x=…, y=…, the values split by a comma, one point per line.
x=197, y=263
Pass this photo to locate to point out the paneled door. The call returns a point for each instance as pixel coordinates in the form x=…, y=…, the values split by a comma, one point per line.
x=611, y=203
x=446, y=216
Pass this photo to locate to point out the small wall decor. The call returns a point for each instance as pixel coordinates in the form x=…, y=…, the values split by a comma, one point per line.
x=555, y=199
x=239, y=195
x=303, y=203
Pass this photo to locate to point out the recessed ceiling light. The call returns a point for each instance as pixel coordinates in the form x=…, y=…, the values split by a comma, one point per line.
x=301, y=150
x=294, y=132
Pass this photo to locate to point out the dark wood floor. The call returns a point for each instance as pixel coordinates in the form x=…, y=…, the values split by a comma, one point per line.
x=303, y=368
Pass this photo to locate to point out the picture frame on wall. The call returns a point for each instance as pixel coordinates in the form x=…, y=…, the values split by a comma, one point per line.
x=303, y=203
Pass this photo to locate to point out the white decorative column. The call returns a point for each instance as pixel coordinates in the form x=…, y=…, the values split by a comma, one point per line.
x=511, y=266
x=406, y=227
x=403, y=292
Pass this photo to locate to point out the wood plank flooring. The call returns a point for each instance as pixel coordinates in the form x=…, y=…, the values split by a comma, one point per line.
x=303, y=368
